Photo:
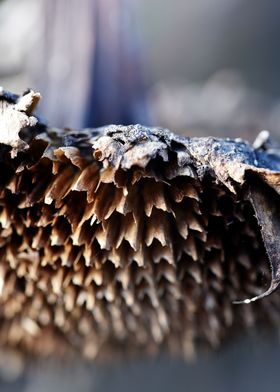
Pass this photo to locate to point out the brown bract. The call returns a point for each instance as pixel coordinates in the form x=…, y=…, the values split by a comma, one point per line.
x=132, y=238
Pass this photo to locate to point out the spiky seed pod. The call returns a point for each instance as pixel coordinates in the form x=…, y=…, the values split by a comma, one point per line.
x=131, y=238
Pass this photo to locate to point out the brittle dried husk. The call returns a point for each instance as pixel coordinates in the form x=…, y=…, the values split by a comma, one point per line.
x=132, y=239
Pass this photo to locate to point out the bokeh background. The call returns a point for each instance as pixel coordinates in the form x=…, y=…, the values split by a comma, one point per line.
x=194, y=66
x=197, y=67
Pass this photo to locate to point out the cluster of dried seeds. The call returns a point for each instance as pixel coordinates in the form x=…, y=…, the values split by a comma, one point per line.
x=130, y=238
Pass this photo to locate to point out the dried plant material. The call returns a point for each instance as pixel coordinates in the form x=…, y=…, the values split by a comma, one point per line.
x=129, y=238
x=14, y=116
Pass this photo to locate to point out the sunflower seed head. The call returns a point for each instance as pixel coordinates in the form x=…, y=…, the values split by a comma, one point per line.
x=131, y=238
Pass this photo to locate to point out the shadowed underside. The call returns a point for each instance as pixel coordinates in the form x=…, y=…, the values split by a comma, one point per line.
x=129, y=238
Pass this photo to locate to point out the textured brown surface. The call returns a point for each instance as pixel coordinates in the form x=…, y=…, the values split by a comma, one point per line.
x=129, y=238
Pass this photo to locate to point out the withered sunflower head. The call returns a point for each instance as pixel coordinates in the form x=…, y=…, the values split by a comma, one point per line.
x=132, y=238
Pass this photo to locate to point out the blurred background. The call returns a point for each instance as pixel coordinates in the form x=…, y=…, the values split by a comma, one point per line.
x=196, y=67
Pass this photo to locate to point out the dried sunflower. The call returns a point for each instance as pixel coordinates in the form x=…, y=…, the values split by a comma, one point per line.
x=132, y=238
